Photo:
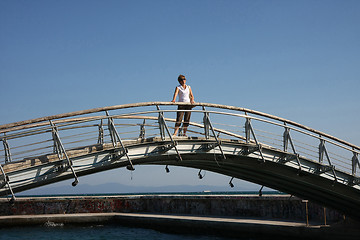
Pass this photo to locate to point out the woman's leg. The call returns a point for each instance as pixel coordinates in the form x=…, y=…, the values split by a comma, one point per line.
x=179, y=116
x=186, y=120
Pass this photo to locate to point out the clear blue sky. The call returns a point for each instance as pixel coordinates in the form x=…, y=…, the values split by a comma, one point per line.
x=295, y=59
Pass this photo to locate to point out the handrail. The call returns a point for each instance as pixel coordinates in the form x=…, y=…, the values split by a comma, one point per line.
x=8, y=127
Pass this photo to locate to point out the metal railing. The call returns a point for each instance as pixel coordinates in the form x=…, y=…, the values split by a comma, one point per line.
x=113, y=125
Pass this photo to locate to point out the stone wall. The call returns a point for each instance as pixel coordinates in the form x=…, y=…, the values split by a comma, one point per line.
x=274, y=207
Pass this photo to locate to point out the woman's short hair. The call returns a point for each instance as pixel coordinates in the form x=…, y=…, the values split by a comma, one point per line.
x=180, y=77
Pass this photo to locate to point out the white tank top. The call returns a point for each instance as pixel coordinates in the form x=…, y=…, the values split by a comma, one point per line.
x=184, y=94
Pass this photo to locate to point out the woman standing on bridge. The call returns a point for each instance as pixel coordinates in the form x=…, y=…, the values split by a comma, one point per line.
x=185, y=95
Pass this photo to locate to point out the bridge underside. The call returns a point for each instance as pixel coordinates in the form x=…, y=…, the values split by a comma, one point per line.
x=270, y=167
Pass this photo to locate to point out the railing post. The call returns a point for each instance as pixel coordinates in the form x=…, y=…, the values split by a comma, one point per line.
x=7, y=182
x=61, y=151
x=114, y=137
x=321, y=150
x=355, y=161
x=56, y=147
x=286, y=140
x=306, y=211
x=286, y=136
x=207, y=121
x=323, y=153
x=7, y=159
x=101, y=133
x=6, y=149
x=162, y=125
x=142, y=130
x=206, y=125
x=112, y=130
x=247, y=130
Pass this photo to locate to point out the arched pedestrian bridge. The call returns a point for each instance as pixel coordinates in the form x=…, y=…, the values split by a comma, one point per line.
x=237, y=142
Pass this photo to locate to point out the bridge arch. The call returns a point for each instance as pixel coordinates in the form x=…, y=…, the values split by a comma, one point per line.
x=237, y=142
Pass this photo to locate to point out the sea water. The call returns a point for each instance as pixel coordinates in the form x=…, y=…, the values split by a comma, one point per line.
x=95, y=232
